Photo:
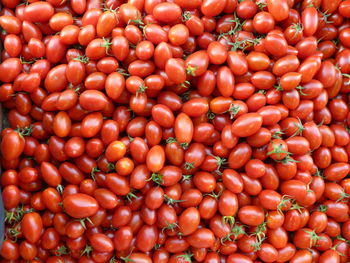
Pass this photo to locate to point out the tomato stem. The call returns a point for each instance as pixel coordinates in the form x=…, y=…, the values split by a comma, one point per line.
x=123, y=72
x=26, y=131
x=300, y=90
x=186, y=177
x=82, y=221
x=191, y=70
x=277, y=149
x=285, y=199
x=210, y=115
x=171, y=227
x=300, y=128
x=187, y=257
x=171, y=201
x=87, y=250
x=110, y=167
x=188, y=166
x=130, y=196
x=62, y=250
x=228, y=220
x=60, y=188
x=84, y=59
x=186, y=16
x=23, y=61
x=298, y=27
x=233, y=110
x=277, y=134
x=156, y=178
x=343, y=196
x=106, y=44
x=93, y=171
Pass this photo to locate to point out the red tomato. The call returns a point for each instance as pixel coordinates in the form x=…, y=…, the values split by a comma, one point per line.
x=80, y=205
x=12, y=145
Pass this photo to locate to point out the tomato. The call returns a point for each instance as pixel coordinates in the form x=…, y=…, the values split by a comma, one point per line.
x=279, y=9
x=175, y=70
x=251, y=215
x=12, y=145
x=32, y=226
x=225, y=81
x=197, y=63
x=183, y=128
x=163, y=115
x=155, y=158
x=80, y=205
x=201, y=238
x=235, y=258
x=276, y=45
x=247, y=124
x=9, y=69
x=10, y=250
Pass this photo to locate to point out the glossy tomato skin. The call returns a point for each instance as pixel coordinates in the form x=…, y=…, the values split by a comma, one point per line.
x=247, y=125
x=32, y=226
x=12, y=145
x=80, y=205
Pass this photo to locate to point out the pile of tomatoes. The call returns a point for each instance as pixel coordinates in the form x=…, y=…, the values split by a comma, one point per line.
x=175, y=131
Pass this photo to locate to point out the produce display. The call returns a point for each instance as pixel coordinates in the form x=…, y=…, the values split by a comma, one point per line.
x=175, y=131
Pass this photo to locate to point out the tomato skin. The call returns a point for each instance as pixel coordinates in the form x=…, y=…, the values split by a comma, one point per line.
x=246, y=125
x=80, y=205
x=122, y=238
x=32, y=226
x=337, y=171
x=146, y=238
x=11, y=196
x=183, y=128
x=9, y=250
x=197, y=63
x=13, y=45
x=225, y=81
x=12, y=145
x=201, y=238
x=238, y=258
x=9, y=69
x=93, y=100
x=228, y=203
x=309, y=19
x=237, y=63
x=117, y=184
x=276, y=45
x=279, y=9
x=101, y=243
x=38, y=12
x=163, y=115
x=175, y=70
x=50, y=174
x=155, y=158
